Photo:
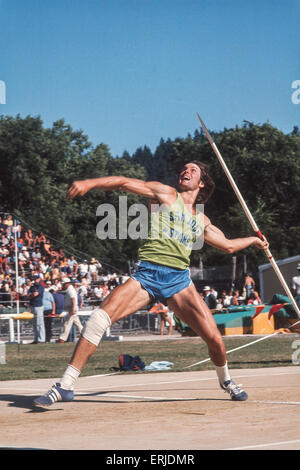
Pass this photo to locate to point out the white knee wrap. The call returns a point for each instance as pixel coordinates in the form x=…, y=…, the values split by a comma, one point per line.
x=96, y=326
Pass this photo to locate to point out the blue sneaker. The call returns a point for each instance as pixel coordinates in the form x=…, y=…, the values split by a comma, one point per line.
x=234, y=390
x=56, y=393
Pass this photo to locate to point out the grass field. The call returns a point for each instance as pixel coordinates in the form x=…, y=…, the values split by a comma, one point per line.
x=27, y=361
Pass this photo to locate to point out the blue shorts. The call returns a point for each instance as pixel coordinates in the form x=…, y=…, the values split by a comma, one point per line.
x=162, y=282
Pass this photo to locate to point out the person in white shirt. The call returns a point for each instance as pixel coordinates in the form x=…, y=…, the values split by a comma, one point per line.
x=83, y=268
x=214, y=292
x=73, y=265
x=71, y=306
x=93, y=270
x=98, y=292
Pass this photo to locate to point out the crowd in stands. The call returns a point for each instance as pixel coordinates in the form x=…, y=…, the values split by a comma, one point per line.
x=36, y=254
x=220, y=301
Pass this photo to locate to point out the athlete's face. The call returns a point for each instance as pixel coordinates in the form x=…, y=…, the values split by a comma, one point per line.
x=190, y=177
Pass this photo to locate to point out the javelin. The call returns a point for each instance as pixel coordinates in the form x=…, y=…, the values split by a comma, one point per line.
x=250, y=218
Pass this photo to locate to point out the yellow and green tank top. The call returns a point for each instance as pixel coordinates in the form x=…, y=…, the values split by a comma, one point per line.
x=172, y=233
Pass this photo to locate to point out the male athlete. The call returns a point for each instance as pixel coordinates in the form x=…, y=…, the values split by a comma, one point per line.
x=162, y=274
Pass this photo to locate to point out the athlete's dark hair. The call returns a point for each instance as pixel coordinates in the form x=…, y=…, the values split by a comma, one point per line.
x=209, y=185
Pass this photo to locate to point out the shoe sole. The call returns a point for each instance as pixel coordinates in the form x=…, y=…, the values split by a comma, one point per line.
x=44, y=404
x=50, y=404
x=239, y=399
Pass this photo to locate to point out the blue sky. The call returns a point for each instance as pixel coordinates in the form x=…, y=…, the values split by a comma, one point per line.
x=130, y=72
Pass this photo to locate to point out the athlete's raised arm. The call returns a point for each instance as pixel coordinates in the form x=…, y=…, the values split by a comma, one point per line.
x=153, y=189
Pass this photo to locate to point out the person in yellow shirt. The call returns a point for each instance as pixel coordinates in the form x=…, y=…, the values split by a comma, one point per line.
x=162, y=273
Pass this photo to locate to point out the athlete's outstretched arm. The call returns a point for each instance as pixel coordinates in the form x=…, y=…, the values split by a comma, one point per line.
x=152, y=189
x=216, y=238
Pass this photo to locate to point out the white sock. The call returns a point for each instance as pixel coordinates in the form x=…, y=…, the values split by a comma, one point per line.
x=223, y=373
x=69, y=378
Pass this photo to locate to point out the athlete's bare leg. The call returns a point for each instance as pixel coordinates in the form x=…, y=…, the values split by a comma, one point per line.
x=122, y=301
x=191, y=308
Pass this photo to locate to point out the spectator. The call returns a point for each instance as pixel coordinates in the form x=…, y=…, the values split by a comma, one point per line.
x=57, y=285
x=98, y=292
x=39, y=240
x=59, y=300
x=105, y=289
x=235, y=297
x=214, y=292
x=114, y=281
x=54, y=254
x=23, y=258
x=296, y=286
x=85, y=281
x=209, y=298
x=47, y=248
x=24, y=291
x=83, y=268
x=76, y=284
x=83, y=291
x=49, y=311
x=249, y=283
x=61, y=254
x=36, y=293
x=55, y=273
x=5, y=294
x=225, y=299
x=29, y=238
x=254, y=298
x=71, y=306
x=73, y=265
x=36, y=254
x=9, y=222
x=17, y=229
x=220, y=305
x=22, y=279
x=80, y=300
x=42, y=266
x=4, y=261
x=64, y=266
x=163, y=311
x=4, y=239
x=93, y=269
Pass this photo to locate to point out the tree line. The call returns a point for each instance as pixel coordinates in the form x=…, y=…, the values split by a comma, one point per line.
x=38, y=163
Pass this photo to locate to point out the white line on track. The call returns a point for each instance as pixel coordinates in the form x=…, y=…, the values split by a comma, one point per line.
x=116, y=396
x=277, y=402
x=102, y=375
x=256, y=446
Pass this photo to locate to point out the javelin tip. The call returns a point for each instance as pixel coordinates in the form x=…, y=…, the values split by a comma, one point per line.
x=205, y=130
